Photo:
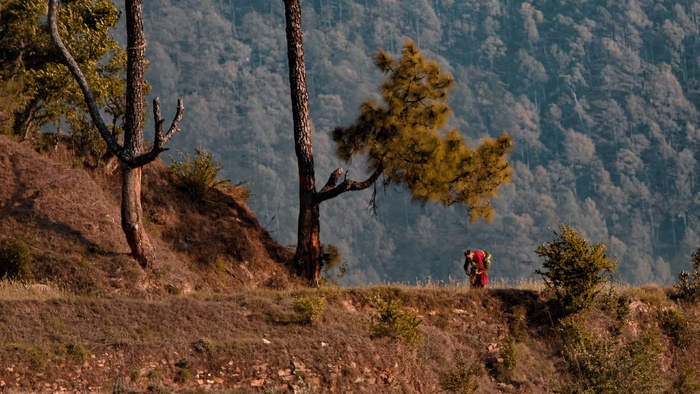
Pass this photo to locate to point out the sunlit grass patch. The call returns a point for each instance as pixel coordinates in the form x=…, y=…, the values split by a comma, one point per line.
x=519, y=284
x=18, y=290
x=450, y=284
x=650, y=294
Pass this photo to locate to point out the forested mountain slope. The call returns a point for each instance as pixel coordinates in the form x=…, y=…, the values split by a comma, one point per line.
x=600, y=97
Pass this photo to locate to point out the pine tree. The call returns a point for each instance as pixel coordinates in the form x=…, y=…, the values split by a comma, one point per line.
x=399, y=138
x=574, y=270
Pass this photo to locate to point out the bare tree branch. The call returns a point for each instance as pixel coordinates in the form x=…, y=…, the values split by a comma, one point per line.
x=330, y=190
x=159, y=120
x=372, y=207
x=175, y=125
x=119, y=151
x=332, y=180
x=72, y=65
x=160, y=138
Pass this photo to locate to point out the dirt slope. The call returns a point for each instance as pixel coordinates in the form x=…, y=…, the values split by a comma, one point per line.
x=70, y=219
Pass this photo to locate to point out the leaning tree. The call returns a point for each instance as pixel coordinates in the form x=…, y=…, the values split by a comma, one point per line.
x=132, y=154
x=37, y=89
x=400, y=138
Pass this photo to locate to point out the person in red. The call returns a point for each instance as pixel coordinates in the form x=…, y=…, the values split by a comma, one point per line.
x=476, y=266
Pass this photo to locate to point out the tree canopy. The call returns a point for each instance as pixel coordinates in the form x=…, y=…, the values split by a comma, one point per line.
x=40, y=87
x=402, y=138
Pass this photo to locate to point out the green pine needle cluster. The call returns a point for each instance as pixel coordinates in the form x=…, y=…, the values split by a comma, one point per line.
x=403, y=137
x=688, y=286
x=395, y=322
x=574, y=270
x=198, y=176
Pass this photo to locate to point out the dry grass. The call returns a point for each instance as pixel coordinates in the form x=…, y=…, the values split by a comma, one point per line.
x=71, y=216
x=650, y=294
x=255, y=333
x=253, y=336
x=462, y=284
x=519, y=284
x=20, y=291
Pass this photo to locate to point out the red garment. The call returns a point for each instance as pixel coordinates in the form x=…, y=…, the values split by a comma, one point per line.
x=479, y=257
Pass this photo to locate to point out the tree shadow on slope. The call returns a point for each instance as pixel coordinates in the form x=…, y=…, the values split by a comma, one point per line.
x=539, y=316
x=221, y=235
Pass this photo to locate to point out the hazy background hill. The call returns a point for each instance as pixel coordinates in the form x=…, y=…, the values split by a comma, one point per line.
x=600, y=97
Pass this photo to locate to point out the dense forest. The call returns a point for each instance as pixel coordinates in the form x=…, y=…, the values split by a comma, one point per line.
x=601, y=100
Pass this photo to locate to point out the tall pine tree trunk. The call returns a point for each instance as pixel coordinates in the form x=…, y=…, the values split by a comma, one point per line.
x=136, y=237
x=132, y=154
x=308, y=253
x=132, y=225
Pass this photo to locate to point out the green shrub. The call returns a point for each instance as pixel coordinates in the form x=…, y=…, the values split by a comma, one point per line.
x=688, y=286
x=574, y=270
x=507, y=361
x=638, y=366
x=183, y=375
x=203, y=345
x=463, y=380
x=330, y=259
x=79, y=352
x=310, y=309
x=597, y=365
x=622, y=308
x=518, y=324
x=39, y=357
x=394, y=322
x=44, y=142
x=184, y=363
x=686, y=383
x=16, y=259
x=135, y=376
x=618, y=305
x=199, y=176
x=677, y=328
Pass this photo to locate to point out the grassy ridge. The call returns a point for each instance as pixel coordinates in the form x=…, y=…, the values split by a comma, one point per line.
x=496, y=340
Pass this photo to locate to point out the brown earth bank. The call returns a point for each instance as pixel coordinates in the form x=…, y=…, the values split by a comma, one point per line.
x=256, y=341
x=68, y=215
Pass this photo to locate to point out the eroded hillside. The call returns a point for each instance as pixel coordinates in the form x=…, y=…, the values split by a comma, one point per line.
x=68, y=218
